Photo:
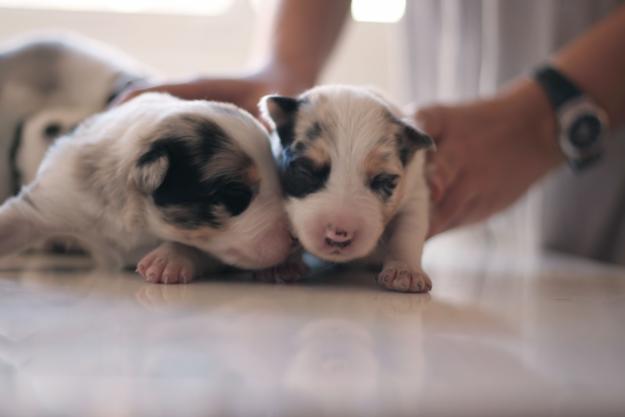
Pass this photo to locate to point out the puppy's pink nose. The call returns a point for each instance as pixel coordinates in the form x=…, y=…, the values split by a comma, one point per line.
x=338, y=237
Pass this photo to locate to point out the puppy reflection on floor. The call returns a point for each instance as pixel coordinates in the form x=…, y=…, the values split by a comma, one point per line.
x=166, y=182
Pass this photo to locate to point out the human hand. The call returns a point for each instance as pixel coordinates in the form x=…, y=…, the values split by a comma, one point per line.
x=489, y=153
x=244, y=91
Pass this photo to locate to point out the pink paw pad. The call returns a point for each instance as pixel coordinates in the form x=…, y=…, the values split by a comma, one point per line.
x=161, y=266
x=399, y=277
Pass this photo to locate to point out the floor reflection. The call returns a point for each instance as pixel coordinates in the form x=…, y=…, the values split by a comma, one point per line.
x=487, y=341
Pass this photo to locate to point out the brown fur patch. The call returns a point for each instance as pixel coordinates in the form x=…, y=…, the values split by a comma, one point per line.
x=383, y=159
x=316, y=145
x=190, y=236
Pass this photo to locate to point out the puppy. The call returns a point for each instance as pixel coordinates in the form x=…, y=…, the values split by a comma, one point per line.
x=178, y=178
x=59, y=79
x=352, y=171
x=36, y=135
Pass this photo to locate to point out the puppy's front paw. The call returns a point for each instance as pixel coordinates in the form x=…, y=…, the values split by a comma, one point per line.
x=397, y=276
x=167, y=265
x=287, y=272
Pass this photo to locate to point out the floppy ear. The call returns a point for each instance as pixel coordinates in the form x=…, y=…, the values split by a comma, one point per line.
x=411, y=139
x=151, y=169
x=21, y=225
x=280, y=112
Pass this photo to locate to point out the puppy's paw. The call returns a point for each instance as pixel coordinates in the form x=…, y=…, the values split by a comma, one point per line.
x=287, y=272
x=167, y=265
x=397, y=276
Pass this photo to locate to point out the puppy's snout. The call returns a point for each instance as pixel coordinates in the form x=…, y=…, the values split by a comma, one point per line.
x=338, y=237
x=338, y=234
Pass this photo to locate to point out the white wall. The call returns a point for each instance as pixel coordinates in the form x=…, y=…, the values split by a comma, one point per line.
x=181, y=46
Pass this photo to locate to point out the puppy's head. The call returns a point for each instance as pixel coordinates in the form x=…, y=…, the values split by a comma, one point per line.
x=344, y=154
x=37, y=133
x=208, y=173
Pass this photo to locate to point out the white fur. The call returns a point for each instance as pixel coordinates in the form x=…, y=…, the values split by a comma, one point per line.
x=354, y=118
x=128, y=225
x=35, y=144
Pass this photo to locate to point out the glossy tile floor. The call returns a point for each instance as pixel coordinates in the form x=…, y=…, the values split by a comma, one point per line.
x=498, y=336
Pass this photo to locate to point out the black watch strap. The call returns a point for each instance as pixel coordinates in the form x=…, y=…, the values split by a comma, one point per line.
x=559, y=89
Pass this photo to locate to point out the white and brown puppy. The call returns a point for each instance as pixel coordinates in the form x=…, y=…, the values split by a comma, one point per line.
x=352, y=170
x=178, y=178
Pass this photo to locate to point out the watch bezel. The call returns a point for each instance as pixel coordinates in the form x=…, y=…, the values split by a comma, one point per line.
x=568, y=114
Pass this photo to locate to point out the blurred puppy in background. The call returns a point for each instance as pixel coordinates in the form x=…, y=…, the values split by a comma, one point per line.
x=48, y=84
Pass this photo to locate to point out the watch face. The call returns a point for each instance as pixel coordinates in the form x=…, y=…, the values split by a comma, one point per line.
x=585, y=130
x=582, y=125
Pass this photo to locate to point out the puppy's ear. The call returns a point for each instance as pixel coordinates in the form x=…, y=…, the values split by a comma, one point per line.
x=151, y=169
x=21, y=225
x=280, y=112
x=411, y=139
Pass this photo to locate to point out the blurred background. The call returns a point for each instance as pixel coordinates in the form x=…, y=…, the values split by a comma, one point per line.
x=189, y=37
x=185, y=38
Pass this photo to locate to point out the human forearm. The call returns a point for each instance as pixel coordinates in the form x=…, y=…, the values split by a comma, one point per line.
x=302, y=36
x=596, y=62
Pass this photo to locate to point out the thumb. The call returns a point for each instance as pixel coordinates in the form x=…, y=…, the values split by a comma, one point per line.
x=432, y=120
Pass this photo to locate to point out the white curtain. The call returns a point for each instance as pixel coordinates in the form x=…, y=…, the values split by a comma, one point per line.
x=463, y=49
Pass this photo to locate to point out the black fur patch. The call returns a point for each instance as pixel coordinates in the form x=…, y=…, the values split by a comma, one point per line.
x=409, y=140
x=286, y=132
x=288, y=105
x=16, y=143
x=300, y=176
x=188, y=199
x=284, y=117
x=404, y=149
x=53, y=130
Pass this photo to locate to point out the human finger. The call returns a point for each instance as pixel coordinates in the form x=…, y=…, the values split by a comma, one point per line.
x=432, y=119
x=453, y=208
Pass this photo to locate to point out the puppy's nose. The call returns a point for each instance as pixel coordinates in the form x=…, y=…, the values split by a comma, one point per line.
x=338, y=237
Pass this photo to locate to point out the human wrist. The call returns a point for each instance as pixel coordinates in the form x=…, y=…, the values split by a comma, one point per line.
x=283, y=78
x=537, y=118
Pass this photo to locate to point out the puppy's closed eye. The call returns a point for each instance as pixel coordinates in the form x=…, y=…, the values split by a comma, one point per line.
x=384, y=184
x=302, y=177
x=234, y=195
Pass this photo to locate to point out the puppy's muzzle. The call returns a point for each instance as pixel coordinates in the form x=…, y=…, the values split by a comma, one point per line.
x=337, y=237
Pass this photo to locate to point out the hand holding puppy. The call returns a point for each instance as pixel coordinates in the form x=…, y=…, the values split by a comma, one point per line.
x=244, y=91
x=489, y=153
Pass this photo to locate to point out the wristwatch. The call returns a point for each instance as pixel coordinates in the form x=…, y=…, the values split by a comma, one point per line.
x=582, y=124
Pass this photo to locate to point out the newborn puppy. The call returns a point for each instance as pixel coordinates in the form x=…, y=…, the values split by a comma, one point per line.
x=181, y=178
x=58, y=78
x=352, y=170
x=36, y=135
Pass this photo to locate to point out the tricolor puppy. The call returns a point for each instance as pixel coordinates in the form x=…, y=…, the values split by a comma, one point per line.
x=352, y=170
x=181, y=179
